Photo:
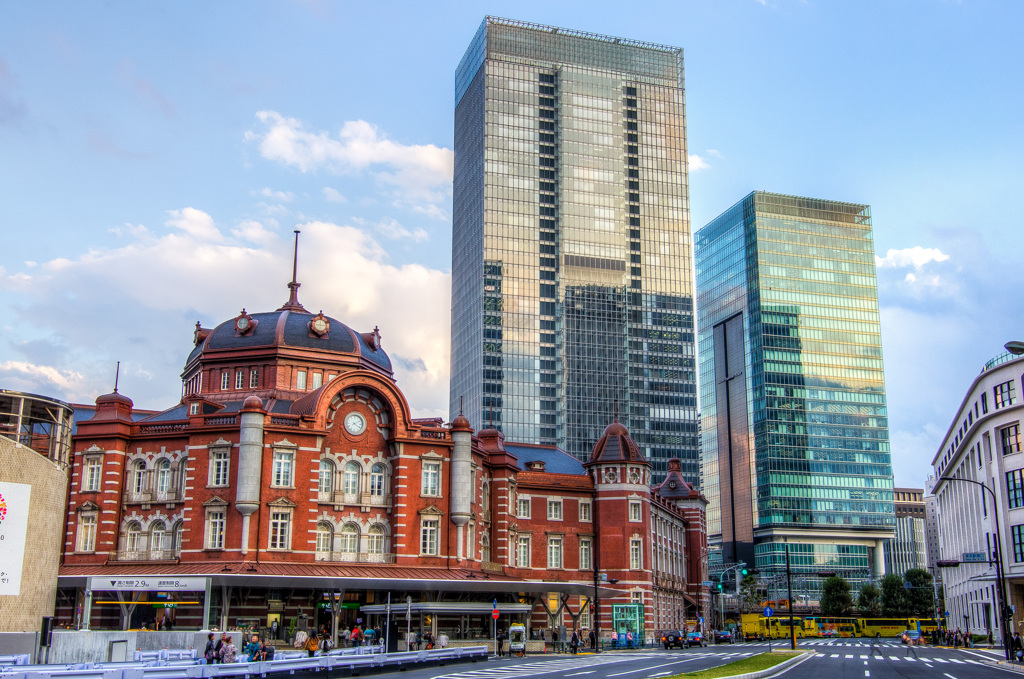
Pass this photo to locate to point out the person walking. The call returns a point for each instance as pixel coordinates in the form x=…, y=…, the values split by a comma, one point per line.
x=312, y=644
x=574, y=641
x=499, y=639
x=228, y=651
x=592, y=635
x=343, y=636
x=210, y=653
x=1018, y=647
x=218, y=646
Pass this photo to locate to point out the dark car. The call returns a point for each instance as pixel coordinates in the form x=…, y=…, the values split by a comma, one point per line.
x=723, y=637
x=695, y=639
x=673, y=638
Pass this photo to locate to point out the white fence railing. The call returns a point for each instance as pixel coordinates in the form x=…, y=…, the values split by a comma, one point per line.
x=173, y=664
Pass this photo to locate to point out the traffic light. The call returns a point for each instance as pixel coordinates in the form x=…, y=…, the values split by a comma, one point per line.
x=743, y=572
x=591, y=607
x=719, y=587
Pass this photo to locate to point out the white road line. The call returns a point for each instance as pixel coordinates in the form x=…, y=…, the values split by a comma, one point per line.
x=849, y=655
x=863, y=657
x=867, y=673
x=949, y=675
x=576, y=674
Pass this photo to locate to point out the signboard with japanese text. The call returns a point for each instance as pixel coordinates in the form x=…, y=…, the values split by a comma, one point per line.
x=14, y=498
x=114, y=583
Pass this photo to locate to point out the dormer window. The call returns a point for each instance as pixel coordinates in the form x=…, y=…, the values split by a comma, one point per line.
x=193, y=408
x=536, y=465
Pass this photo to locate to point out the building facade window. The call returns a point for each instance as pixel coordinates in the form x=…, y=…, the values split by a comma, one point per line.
x=318, y=379
x=163, y=476
x=1003, y=394
x=428, y=536
x=349, y=539
x=92, y=475
x=430, y=482
x=523, y=508
x=139, y=477
x=86, y=533
x=326, y=477
x=635, y=511
x=586, y=509
x=350, y=479
x=1010, y=438
x=1018, y=543
x=193, y=408
x=280, y=530
x=485, y=547
x=523, y=551
x=133, y=537
x=282, y=476
x=157, y=538
x=240, y=379
x=554, y=510
x=300, y=379
x=254, y=378
x=177, y=535
x=1015, y=488
x=554, y=552
x=225, y=380
x=377, y=480
x=215, y=529
x=636, y=553
x=375, y=540
x=324, y=540
x=220, y=462
x=586, y=561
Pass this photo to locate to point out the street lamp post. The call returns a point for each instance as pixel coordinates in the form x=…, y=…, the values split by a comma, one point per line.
x=998, y=560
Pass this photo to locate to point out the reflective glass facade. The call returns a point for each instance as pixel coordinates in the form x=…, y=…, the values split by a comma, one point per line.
x=572, y=292
x=794, y=427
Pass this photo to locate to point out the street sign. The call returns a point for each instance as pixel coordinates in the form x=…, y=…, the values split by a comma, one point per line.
x=700, y=620
x=706, y=583
x=494, y=614
x=768, y=611
x=974, y=557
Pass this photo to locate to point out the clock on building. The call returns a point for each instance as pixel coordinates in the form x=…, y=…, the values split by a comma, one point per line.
x=355, y=424
x=320, y=325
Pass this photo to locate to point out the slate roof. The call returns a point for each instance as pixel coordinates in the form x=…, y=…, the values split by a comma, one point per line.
x=556, y=460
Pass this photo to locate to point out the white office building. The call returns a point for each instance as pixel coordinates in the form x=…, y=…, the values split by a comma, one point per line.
x=983, y=446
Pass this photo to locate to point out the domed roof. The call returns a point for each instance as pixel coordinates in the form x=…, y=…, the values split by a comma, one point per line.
x=291, y=328
x=616, y=446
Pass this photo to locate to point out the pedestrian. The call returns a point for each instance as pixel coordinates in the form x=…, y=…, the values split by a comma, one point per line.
x=629, y=639
x=593, y=640
x=442, y=640
x=574, y=641
x=228, y=652
x=218, y=646
x=615, y=638
x=252, y=648
x=312, y=644
x=209, y=654
x=1018, y=647
x=343, y=636
x=356, y=636
x=554, y=640
x=499, y=639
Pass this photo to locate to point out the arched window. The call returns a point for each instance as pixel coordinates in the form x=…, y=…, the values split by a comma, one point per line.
x=377, y=480
x=485, y=546
x=351, y=478
x=163, y=476
x=178, y=532
x=349, y=539
x=326, y=476
x=375, y=539
x=133, y=537
x=157, y=538
x=324, y=540
x=139, y=476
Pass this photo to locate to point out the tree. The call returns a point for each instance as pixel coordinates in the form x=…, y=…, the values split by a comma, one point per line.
x=869, y=603
x=835, y=597
x=921, y=598
x=750, y=594
x=894, y=597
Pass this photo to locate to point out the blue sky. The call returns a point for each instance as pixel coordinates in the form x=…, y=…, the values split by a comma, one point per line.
x=155, y=158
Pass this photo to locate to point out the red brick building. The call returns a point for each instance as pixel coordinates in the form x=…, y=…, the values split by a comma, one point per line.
x=291, y=483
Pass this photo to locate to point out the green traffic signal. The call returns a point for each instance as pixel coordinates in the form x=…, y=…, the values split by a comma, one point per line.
x=743, y=572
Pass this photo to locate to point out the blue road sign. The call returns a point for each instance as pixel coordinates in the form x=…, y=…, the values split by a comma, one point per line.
x=768, y=611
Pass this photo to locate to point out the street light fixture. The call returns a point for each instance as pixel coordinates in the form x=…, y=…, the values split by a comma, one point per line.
x=999, y=543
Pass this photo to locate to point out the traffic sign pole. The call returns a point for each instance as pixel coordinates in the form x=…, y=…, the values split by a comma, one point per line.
x=768, y=614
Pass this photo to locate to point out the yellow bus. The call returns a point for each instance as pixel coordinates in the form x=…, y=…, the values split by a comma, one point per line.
x=819, y=626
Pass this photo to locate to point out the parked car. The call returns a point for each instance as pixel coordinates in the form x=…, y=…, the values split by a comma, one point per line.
x=723, y=637
x=695, y=639
x=673, y=638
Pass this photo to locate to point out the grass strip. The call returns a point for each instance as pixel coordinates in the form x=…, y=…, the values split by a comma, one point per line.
x=754, y=663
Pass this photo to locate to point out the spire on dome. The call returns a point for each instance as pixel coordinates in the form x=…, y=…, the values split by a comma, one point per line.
x=293, y=299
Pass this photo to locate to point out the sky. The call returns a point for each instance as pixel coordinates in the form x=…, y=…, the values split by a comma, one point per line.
x=155, y=159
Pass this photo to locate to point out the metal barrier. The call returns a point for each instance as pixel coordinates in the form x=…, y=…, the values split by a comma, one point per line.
x=166, y=667
x=20, y=659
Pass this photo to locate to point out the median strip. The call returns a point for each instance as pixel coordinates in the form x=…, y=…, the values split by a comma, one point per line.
x=761, y=665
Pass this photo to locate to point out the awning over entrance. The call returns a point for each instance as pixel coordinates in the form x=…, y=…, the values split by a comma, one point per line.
x=447, y=607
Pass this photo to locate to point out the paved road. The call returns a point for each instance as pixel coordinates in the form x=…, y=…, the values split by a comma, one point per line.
x=838, y=659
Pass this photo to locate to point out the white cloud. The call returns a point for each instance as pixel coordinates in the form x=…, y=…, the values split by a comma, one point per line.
x=697, y=163
x=391, y=229
x=138, y=303
x=333, y=196
x=417, y=173
x=916, y=257
x=195, y=223
x=283, y=196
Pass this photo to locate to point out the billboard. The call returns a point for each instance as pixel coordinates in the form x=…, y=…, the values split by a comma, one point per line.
x=14, y=499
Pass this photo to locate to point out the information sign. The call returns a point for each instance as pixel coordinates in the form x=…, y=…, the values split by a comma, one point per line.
x=768, y=611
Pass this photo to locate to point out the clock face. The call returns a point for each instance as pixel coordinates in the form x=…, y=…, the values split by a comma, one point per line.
x=320, y=325
x=354, y=423
x=243, y=323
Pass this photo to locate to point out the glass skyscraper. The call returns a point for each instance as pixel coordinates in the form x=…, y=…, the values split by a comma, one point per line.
x=572, y=289
x=794, y=425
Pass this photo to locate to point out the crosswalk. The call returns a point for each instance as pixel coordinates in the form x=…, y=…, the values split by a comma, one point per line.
x=894, y=658
x=580, y=666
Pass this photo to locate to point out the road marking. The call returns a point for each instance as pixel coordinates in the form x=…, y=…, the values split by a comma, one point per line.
x=576, y=674
x=849, y=655
x=867, y=673
x=949, y=675
x=864, y=657
x=835, y=655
